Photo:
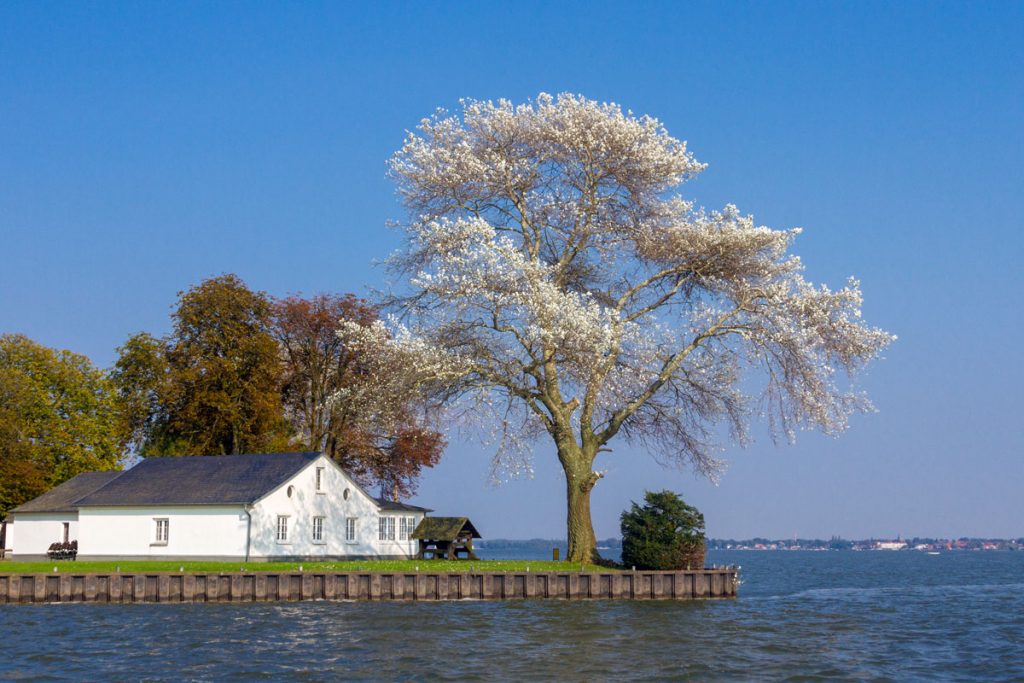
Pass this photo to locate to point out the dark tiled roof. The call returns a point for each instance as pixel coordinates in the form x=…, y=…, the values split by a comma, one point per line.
x=212, y=480
x=399, y=507
x=63, y=498
x=443, y=528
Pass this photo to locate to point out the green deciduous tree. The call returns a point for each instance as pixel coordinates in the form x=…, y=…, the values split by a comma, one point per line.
x=58, y=417
x=241, y=372
x=213, y=386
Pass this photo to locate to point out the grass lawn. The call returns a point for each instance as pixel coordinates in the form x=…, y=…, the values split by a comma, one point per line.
x=455, y=566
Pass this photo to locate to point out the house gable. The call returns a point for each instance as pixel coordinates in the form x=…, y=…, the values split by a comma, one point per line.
x=342, y=519
x=325, y=462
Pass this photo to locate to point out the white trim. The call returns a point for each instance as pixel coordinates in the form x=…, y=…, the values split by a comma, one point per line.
x=406, y=525
x=386, y=528
x=164, y=524
x=281, y=525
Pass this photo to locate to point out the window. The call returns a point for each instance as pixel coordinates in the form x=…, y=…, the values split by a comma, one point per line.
x=282, y=529
x=163, y=528
x=67, y=531
x=405, y=528
x=319, y=479
x=350, y=529
x=318, y=529
x=387, y=528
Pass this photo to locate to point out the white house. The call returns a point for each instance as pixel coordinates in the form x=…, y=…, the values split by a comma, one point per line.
x=280, y=506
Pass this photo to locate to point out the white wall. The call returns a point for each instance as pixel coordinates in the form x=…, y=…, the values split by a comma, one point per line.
x=33, y=532
x=306, y=503
x=220, y=531
x=194, y=531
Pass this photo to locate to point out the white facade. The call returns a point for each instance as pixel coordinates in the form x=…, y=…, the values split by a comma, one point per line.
x=130, y=533
x=36, y=531
x=338, y=501
x=296, y=520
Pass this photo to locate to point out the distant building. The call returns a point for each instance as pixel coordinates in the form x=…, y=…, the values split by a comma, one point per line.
x=890, y=545
x=282, y=506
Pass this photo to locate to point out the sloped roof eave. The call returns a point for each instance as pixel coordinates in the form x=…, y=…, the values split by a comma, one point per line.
x=200, y=481
x=64, y=498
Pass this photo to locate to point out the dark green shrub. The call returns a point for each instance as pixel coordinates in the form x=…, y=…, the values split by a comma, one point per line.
x=665, y=533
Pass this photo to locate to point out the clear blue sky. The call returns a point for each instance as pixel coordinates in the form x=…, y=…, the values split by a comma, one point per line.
x=146, y=146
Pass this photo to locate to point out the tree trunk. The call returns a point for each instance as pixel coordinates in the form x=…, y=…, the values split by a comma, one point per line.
x=580, y=480
x=582, y=542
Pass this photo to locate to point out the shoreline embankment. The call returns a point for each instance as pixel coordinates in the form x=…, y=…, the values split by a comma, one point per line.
x=426, y=586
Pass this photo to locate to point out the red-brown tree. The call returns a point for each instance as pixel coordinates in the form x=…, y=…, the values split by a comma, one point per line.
x=344, y=401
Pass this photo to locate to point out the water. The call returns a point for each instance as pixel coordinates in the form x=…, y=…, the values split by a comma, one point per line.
x=801, y=616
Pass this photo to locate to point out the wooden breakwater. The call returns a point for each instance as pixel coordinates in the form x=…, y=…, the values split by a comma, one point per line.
x=376, y=586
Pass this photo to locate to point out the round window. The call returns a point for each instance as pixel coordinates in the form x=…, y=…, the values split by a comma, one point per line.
x=345, y=494
x=291, y=490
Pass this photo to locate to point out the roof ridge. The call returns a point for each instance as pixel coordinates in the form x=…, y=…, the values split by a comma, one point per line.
x=227, y=455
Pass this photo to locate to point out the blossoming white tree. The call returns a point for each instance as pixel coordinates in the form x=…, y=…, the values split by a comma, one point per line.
x=583, y=300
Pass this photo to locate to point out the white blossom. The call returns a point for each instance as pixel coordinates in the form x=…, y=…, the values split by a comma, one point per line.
x=554, y=277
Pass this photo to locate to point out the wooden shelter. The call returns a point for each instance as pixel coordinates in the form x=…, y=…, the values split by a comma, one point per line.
x=445, y=538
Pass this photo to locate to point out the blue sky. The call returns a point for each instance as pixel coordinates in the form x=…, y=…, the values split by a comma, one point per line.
x=145, y=146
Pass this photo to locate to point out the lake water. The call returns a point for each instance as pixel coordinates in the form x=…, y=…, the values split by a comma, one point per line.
x=802, y=615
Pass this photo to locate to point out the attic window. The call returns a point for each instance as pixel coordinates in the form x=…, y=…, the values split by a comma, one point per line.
x=344, y=494
x=319, y=479
x=291, y=490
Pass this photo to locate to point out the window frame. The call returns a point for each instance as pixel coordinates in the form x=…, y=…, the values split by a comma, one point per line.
x=406, y=526
x=279, y=526
x=164, y=524
x=386, y=528
x=318, y=529
x=319, y=480
x=351, y=529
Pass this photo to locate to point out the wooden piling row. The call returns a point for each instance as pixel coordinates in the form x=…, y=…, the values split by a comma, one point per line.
x=374, y=586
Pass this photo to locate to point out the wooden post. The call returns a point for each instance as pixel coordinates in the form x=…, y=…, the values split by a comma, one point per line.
x=442, y=587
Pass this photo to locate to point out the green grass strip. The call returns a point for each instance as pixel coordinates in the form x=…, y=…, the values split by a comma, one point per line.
x=452, y=566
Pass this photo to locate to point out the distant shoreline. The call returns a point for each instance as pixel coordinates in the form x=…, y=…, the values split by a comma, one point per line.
x=919, y=544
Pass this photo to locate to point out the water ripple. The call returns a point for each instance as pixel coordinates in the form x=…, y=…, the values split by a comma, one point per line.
x=801, y=617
